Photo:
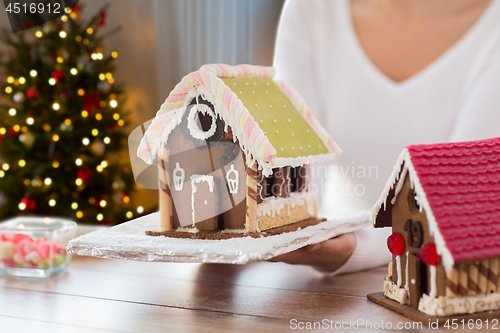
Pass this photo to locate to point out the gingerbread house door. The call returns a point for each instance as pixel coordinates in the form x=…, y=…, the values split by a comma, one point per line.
x=417, y=274
x=204, y=203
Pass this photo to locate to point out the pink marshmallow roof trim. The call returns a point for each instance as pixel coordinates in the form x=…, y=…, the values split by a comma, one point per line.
x=458, y=185
x=209, y=76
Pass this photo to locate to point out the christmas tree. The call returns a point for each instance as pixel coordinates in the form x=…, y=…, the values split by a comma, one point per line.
x=62, y=135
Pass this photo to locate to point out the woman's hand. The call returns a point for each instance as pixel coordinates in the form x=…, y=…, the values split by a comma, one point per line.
x=327, y=256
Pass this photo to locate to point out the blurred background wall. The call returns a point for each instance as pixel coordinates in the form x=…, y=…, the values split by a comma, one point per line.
x=163, y=40
x=195, y=32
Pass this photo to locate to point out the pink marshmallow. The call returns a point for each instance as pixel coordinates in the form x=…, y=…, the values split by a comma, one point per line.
x=249, y=126
x=25, y=246
x=175, y=98
x=197, y=77
x=227, y=97
x=223, y=70
x=44, y=249
x=270, y=153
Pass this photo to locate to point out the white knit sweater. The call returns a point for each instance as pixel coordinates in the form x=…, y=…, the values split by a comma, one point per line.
x=373, y=118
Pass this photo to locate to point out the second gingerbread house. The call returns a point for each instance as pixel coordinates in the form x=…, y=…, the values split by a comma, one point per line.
x=443, y=204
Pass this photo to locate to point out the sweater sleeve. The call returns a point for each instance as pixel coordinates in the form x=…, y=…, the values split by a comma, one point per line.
x=371, y=250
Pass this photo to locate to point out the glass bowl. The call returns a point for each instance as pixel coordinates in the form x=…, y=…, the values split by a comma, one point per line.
x=35, y=246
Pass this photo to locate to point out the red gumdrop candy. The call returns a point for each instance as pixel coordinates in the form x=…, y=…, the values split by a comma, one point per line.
x=396, y=243
x=7, y=238
x=25, y=246
x=429, y=254
x=17, y=238
x=38, y=241
x=9, y=262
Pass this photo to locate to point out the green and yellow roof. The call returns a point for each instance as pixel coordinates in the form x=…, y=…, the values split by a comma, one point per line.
x=273, y=124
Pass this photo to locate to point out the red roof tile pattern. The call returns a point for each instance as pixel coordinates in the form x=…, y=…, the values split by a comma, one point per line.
x=462, y=184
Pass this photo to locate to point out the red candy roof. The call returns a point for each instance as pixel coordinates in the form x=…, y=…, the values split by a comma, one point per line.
x=461, y=182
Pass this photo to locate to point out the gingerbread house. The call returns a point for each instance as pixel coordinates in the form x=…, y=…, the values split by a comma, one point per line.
x=233, y=146
x=443, y=204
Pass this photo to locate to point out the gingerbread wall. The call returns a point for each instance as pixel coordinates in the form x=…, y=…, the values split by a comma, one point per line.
x=219, y=207
x=407, y=219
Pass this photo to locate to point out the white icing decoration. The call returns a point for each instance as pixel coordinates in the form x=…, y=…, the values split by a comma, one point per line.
x=398, y=269
x=206, y=202
x=178, y=178
x=204, y=178
x=280, y=162
x=433, y=291
x=193, y=126
x=198, y=179
x=233, y=182
x=406, y=273
x=400, y=184
x=273, y=206
x=392, y=291
x=413, y=281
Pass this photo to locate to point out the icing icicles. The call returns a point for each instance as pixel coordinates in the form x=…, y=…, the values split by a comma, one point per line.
x=198, y=179
x=399, y=185
x=398, y=269
x=407, y=287
x=433, y=278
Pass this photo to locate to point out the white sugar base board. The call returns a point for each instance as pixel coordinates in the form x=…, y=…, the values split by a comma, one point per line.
x=129, y=241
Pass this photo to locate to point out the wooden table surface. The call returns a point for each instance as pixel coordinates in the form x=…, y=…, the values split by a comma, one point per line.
x=102, y=295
